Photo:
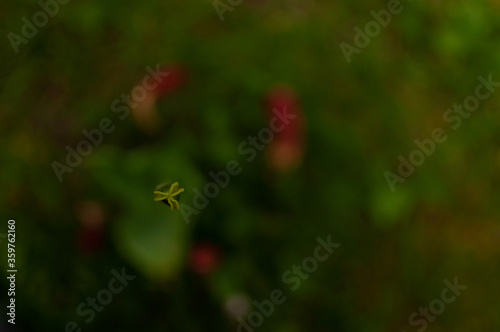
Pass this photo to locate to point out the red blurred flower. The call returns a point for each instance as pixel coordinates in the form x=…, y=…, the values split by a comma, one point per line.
x=145, y=113
x=91, y=214
x=176, y=78
x=90, y=240
x=93, y=218
x=286, y=151
x=204, y=258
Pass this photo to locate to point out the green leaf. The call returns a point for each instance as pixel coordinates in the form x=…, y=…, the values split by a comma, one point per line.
x=149, y=235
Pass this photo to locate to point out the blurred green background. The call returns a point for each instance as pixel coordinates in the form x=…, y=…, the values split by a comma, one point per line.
x=357, y=118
